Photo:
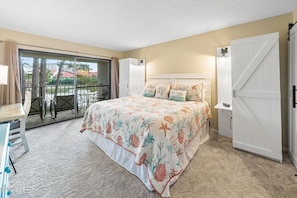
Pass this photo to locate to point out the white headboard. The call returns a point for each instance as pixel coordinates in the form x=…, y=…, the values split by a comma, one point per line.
x=204, y=78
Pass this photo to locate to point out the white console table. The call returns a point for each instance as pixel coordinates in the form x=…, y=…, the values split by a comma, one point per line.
x=4, y=163
x=224, y=120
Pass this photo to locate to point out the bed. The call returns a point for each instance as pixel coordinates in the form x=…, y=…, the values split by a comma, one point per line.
x=154, y=135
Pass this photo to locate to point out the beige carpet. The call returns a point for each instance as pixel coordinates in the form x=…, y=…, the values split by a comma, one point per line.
x=62, y=162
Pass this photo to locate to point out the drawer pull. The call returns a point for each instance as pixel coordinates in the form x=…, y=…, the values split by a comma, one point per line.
x=9, y=144
x=7, y=169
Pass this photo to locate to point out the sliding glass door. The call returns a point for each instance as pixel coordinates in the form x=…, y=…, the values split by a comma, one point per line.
x=93, y=82
x=62, y=86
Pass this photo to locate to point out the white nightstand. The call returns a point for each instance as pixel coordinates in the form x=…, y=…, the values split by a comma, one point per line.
x=224, y=120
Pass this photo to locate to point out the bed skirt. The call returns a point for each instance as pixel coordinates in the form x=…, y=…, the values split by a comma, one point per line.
x=126, y=158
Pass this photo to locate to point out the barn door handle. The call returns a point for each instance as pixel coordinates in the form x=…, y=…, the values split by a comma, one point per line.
x=294, y=96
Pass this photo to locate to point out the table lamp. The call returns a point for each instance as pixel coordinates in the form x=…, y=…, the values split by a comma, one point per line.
x=3, y=74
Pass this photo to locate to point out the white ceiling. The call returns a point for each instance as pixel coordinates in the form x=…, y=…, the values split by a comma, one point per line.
x=130, y=24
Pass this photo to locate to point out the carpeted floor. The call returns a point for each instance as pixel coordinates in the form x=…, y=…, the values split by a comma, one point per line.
x=62, y=162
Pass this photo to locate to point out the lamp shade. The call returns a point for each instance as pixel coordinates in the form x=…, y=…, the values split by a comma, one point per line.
x=3, y=74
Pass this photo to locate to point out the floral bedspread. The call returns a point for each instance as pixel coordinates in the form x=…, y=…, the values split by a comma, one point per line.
x=155, y=130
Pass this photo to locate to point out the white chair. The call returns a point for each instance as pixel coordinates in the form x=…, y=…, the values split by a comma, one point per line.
x=17, y=134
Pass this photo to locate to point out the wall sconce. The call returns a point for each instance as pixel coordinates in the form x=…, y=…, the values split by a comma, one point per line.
x=141, y=62
x=224, y=51
x=3, y=74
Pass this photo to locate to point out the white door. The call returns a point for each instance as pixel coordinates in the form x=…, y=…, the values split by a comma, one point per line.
x=293, y=95
x=256, y=95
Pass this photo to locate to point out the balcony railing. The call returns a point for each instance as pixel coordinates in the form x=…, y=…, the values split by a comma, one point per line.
x=43, y=99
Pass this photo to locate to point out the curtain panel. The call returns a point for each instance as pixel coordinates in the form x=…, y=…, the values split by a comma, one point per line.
x=11, y=93
x=114, y=78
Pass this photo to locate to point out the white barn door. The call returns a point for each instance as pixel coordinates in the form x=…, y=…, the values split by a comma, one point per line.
x=256, y=102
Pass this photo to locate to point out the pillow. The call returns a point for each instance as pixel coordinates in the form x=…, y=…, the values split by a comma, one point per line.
x=162, y=91
x=194, y=90
x=149, y=92
x=151, y=85
x=149, y=89
x=182, y=87
x=177, y=95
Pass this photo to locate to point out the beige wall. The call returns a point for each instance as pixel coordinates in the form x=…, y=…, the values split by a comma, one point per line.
x=198, y=54
x=295, y=16
x=34, y=42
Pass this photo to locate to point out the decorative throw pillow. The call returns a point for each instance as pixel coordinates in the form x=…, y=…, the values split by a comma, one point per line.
x=150, y=89
x=182, y=87
x=149, y=92
x=162, y=91
x=151, y=85
x=177, y=95
x=195, y=92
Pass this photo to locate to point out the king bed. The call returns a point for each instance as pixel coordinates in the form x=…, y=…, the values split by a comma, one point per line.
x=154, y=135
